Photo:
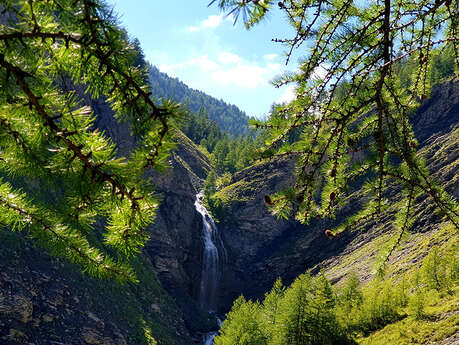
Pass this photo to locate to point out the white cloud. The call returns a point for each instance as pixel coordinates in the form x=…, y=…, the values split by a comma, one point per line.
x=245, y=74
x=223, y=69
x=270, y=57
x=192, y=28
x=249, y=76
x=169, y=69
x=204, y=63
x=288, y=95
x=230, y=17
x=274, y=67
x=228, y=58
x=210, y=22
x=319, y=72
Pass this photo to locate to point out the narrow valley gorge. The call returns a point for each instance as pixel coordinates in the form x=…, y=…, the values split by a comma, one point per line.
x=46, y=298
x=136, y=210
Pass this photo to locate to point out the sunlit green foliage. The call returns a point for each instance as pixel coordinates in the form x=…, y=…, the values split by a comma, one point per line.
x=311, y=311
x=243, y=325
x=440, y=273
x=202, y=130
x=49, y=52
x=211, y=184
x=301, y=314
x=228, y=153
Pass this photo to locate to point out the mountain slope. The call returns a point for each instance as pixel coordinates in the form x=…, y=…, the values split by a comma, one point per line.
x=229, y=117
x=263, y=248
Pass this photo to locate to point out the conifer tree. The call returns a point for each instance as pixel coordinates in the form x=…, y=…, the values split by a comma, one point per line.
x=366, y=68
x=60, y=174
x=210, y=186
x=271, y=307
x=243, y=325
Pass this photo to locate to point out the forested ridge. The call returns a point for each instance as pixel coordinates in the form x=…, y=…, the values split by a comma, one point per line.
x=229, y=117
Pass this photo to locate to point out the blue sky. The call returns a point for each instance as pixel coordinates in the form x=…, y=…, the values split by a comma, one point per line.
x=200, y=46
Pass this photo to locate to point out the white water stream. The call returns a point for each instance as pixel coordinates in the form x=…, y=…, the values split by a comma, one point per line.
x=209, y=338
x=211, y=264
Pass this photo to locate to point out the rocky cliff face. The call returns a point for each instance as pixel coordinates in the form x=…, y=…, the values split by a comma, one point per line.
x=44, y=300
x=262, y=248
x=175, y=245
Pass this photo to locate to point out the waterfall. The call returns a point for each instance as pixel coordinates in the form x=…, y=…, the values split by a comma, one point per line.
x=211, y=261
x=209, y=338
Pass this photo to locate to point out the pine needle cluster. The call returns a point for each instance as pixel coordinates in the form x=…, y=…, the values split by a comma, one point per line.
x=351, y=115
x=59, y=173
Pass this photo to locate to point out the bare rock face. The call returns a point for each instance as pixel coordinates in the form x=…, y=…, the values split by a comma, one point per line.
x=175, y=245
x=439, y=114
x=102, y=336
x=45, y=300
x=175, y=242
x=17, y=307
x=92, y=336
x=248, y=230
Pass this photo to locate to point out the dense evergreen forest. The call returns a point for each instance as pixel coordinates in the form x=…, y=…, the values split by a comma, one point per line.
x=229, y=117
x=228, y=153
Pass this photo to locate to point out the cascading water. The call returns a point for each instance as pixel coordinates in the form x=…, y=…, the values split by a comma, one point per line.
x=211, y=269
x=209, y=337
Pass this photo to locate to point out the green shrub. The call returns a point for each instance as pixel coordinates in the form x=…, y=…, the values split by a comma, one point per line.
x=417, y=304
x=440, y=273
x=302, y=314
x=350, y=299
x=243, y=325
x=379, y=307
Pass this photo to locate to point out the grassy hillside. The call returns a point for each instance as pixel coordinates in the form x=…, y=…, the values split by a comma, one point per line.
x=432, y=314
